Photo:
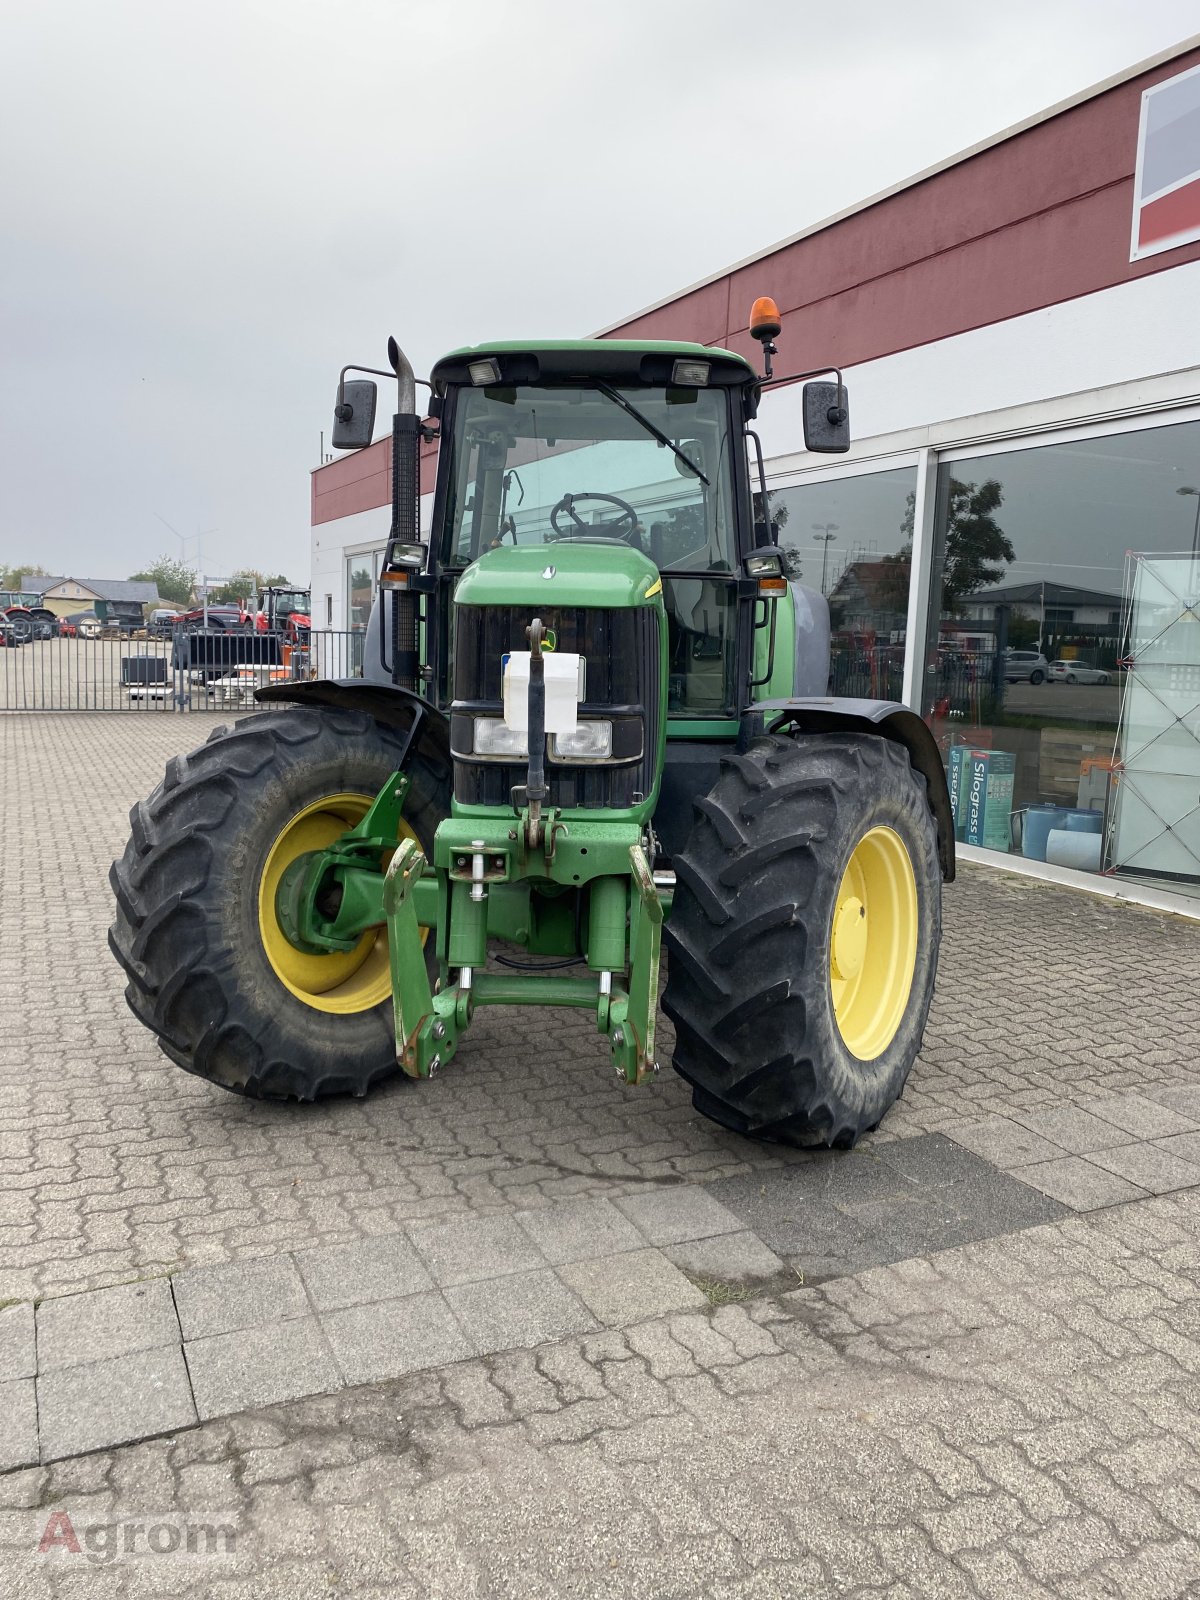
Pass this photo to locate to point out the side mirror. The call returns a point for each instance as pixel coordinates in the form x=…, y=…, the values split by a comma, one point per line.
x=354, y=415
x=826, y=421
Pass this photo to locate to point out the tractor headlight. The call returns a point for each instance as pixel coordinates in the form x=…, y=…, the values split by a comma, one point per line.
x=592, y=740
x=494, y=737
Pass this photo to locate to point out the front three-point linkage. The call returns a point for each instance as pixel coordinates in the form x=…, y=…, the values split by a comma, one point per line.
x=480, y=861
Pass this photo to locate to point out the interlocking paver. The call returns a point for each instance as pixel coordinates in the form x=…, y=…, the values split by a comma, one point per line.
x=222, y=1299
x=80, y=1328
x=1184, y=1145
x=1149, y=1166
x=19, y=1426
x=1142, y=1118
x=353, y=1274
x=920, y=1429
x=900, y=1198
x=1079, y=1183
x=1004, y=1142
x=18, y=1355
x=1181, y=1098
x=1071, y=1128
x=576, y=1230
x=627, y=1288
x=669, y=1216
x=726, y=1257
x=474, y=1247
x=110, y=1402
x=391, y=1337
x=131, y=1167
x=114, y=1165
x=260, y=1366
x=525, y=1309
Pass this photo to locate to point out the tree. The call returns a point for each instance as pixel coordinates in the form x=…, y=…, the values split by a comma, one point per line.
x=174, y=579
x=778, y=515
x=14, y=577
x=976, y=548
x=244, y=583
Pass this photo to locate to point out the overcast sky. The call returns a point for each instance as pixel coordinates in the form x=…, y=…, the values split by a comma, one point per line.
x=207, y=209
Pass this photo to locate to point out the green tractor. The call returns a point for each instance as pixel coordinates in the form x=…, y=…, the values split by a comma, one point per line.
x=592, y=702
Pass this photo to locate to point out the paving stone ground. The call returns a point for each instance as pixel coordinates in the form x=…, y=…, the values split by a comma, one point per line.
x=1014, y=1418
x=482, y=1312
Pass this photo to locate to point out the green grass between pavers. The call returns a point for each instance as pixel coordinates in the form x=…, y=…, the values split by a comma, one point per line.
x=719, y=1293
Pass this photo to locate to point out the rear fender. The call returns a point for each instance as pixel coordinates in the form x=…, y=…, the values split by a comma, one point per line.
x=883, y=718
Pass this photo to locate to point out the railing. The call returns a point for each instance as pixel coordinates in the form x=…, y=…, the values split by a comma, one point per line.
x=187, y=671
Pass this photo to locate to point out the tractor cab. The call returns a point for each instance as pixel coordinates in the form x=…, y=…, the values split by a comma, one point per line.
x=588, y=454
x=284, y=610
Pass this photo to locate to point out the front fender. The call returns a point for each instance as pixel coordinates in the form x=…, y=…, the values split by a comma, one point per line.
x=394, y=707
x=886, y=720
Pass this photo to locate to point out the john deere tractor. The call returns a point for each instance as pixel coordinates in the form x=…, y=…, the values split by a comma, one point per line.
x=593, y=711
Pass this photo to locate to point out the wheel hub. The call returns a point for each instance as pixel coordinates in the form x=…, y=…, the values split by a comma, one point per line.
x=873, y=943
x=850, y=937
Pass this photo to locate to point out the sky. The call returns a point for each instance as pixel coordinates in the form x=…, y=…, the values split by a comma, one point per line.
x=207, y=210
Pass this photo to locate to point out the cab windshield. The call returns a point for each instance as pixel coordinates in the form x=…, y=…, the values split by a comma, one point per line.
x=539, y=464
x=647, y=467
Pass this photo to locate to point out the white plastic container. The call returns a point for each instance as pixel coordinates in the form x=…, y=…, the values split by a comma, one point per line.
x=564, y=690
x=1066, y=848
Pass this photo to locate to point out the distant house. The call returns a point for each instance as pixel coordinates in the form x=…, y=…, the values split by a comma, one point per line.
x=117, y=601
x=1061, y=607
x=871, y=597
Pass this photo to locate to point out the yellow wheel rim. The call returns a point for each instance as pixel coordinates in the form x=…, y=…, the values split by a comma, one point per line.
x=873, y=943
x=343, y=981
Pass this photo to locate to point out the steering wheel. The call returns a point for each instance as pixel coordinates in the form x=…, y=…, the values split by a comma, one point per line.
x=621, y=529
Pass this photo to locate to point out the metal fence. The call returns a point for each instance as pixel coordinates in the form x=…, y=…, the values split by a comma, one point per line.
x=193, y=671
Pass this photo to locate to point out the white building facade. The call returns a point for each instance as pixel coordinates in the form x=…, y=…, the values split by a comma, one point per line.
x=1018, y=332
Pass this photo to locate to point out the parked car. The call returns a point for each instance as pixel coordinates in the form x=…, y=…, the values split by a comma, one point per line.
x=220, y=619
x=1075, y=672
x=1025, y=666
x=162, y=622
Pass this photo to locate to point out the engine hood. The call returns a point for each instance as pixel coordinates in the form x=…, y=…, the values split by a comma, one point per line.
x=572, y=572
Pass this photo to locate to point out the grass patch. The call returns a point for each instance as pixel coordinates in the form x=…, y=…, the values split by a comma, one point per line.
x=719, y=1293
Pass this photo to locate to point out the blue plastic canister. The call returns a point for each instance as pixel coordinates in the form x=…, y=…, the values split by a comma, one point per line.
x=1036, y=824
x=1083, y=822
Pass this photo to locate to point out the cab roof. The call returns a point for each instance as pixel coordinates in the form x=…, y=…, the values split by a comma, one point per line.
x=647, y=361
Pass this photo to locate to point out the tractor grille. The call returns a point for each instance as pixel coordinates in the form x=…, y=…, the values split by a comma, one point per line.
x=622, y=652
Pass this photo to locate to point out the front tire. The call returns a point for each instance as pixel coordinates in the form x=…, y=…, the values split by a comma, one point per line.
x=803, y=938
x=209, y=969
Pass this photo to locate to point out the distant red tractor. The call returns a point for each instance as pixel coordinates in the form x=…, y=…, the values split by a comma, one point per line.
x=285, y=611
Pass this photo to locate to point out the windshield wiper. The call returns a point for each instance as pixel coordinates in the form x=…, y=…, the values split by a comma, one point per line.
x=619, y=399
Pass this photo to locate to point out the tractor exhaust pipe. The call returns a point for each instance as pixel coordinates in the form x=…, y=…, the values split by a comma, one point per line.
x=406, y=452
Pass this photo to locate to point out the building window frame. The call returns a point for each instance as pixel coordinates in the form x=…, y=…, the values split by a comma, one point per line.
x=918, y=587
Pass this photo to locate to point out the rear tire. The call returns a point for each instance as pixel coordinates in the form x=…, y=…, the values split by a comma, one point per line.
x=189, y=931
x=760, y=897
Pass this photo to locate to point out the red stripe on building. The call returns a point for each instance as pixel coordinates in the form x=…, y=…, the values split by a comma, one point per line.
x=362, y=481
x=1040, y=218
